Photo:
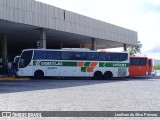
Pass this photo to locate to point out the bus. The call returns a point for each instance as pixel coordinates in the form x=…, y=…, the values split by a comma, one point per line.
x=150, y=66
x=140, y=66
x=40, y=63
x=15, y=63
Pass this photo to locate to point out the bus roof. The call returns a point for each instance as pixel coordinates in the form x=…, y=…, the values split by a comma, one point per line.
x=138, y=57
x=73, y=50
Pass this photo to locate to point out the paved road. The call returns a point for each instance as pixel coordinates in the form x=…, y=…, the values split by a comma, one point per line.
x=130, y=94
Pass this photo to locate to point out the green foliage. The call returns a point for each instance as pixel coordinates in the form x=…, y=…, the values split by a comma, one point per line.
x=131, y=51
x=156, y=67
x=135, y=49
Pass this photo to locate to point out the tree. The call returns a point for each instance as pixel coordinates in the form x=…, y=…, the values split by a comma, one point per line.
x=130, y=49
x=135, y=49
x=156, y=67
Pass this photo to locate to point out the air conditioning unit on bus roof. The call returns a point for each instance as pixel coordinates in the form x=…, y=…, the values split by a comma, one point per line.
x=77, y=49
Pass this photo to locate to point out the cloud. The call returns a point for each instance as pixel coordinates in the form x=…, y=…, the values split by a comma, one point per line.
x=155, y=49
x=154, y=52
x=149, y=6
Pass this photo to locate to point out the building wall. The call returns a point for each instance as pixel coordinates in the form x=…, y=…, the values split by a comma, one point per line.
x=42, y=15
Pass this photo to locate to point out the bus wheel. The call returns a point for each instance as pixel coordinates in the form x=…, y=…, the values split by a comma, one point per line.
x=98, y=75
x=39, y=74
x=108, y=75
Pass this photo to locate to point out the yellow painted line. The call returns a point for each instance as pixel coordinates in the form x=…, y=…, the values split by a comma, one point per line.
x=13, y=78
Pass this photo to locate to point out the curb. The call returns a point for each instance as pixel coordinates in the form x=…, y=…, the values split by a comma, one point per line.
x=13, y=78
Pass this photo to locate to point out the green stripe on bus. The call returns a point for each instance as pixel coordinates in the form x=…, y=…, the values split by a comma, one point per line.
x=62, y=63
x=69, y=63
x=34, y=63
x=103, y=64
x=83, y=69
x=53, y=63
x=87, y=64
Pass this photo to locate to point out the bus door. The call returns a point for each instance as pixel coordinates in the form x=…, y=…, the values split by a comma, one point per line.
x=149, y=66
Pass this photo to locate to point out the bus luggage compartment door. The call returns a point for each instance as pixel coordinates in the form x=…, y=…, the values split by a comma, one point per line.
x=122, y=72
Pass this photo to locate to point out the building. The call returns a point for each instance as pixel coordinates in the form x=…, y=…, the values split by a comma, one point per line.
x=32, y=24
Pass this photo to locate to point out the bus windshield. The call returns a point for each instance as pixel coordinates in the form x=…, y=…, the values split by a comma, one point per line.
x=138, y=61
x=138, y=66
x=25, y=59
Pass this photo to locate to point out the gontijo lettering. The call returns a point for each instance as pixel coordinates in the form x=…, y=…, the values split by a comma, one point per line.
x=51, y=63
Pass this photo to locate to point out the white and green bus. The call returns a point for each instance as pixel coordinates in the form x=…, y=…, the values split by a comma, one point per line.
x=41, y=63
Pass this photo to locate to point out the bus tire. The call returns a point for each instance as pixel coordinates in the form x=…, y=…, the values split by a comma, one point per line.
x=108, y=75
x=39, y=74
x=98, y=75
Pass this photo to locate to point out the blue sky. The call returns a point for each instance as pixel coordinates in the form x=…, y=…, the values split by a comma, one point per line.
x=142, y=16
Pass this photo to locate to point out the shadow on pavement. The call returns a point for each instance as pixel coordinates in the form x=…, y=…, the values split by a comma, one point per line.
x=9, y=86
x=144, y=78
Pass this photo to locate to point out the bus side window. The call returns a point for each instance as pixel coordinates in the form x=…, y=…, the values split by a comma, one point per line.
x=39, y=55
x=134, y=61
x=123, y=56
x=108, y=57
x=80, y=56
x=66, y=55
x=143, y=61
x=92, y=56
x=53, y=55
x=149, y=63
x=115, y=57
x=102, y=56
